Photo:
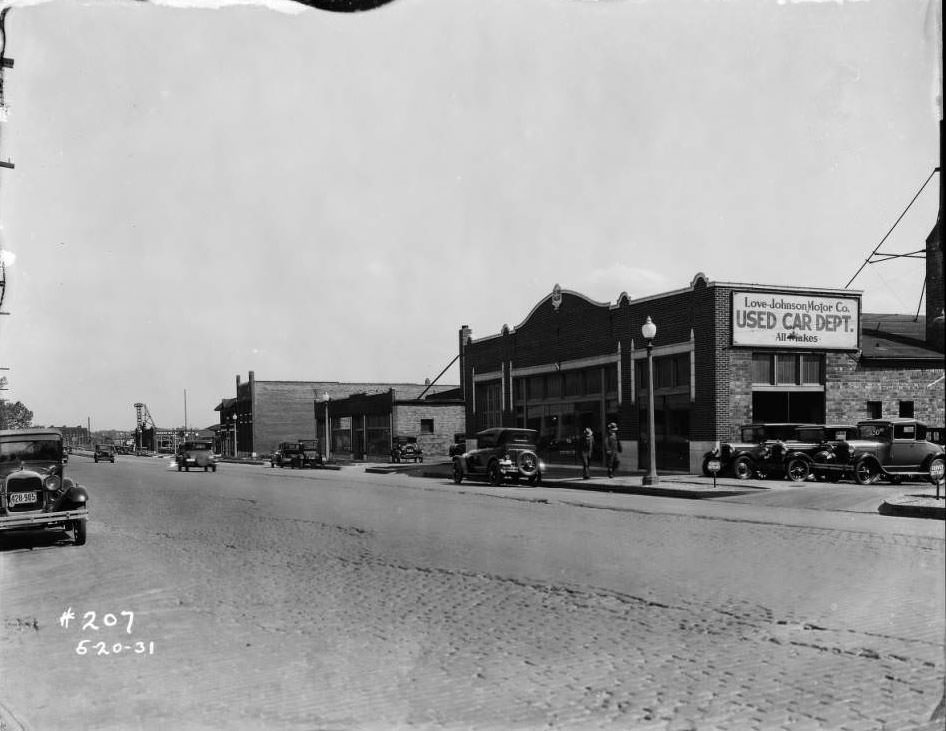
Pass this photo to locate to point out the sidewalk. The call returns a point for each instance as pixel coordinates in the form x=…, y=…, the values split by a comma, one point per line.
x=922, y=503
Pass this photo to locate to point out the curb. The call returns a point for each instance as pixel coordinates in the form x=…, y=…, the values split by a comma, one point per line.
x=913, y=507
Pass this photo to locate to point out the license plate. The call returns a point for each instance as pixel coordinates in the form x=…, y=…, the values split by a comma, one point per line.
x=19, y=498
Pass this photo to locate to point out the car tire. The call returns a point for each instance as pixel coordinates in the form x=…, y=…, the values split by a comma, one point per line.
x=457, y=473
x=866, y=472
x=214, y=468
x=936, y=470
x=96, y=460
x=78, y=532
x=797, y=469
x=494, y=474
x=743, y=468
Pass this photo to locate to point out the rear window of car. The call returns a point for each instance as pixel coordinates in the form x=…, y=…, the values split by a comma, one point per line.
x=519, y=438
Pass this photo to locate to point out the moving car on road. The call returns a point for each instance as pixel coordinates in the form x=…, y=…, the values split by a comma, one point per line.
x=404, y=449
x=104, y=453
x=34, y=491
x=888, y=449
x=196, y=453
x=501, y=454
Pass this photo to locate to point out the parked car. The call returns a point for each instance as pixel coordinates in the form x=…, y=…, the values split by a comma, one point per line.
x=888, y=449
x=196, y=453
x=34, y=491
x=501, y=454
x=103, y=453
x=404, y=449
x=298, y=454
x=813, y=443
x=759, y=452
x=458, y=446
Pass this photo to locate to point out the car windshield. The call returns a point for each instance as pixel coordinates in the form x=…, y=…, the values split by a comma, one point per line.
x=197, y=446
x=873, y=431
x=31, y=450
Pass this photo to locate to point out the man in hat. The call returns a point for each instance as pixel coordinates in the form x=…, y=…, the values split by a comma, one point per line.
x=612, y=446
x=585, y=447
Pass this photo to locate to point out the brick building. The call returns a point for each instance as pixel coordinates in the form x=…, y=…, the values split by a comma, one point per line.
x=264, y=413
x=363, y=425
x=724, y=354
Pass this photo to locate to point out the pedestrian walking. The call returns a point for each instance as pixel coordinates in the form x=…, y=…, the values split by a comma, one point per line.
x=612, y=446
x=586, y=446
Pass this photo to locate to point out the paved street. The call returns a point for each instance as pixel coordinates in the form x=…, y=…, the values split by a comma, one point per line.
x=345, y=600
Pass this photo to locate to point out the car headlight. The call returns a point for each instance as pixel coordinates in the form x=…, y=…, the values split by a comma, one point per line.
x=52, y=483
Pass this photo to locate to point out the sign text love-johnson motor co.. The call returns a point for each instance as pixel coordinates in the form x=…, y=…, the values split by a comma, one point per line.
x=795, y=321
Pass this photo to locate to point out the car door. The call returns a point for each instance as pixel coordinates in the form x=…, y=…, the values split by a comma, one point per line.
x=906, y=451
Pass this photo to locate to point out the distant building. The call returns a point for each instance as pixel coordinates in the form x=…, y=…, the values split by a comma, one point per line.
x=264, y=413
x=363, y=425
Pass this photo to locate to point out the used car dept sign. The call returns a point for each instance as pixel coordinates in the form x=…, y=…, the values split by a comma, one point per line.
x=778, y=320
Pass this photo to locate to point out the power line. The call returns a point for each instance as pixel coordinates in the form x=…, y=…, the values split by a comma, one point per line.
x=886, y=257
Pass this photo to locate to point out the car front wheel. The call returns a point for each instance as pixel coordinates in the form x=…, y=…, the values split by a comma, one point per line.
x=743, y=468
x=866, y=472
x=797, y=469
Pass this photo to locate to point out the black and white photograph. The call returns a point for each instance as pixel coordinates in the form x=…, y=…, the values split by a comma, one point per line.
x=472, y=364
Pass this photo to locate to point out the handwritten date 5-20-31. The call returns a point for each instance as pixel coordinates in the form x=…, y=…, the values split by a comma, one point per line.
x=89, y=647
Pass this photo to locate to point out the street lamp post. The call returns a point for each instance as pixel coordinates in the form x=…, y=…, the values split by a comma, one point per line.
x=649, y=331
x=326, y=397
x=234, y=417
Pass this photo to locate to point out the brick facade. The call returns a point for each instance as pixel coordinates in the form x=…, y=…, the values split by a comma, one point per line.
x=567, y=331
x=448, y=419
x=270, y=412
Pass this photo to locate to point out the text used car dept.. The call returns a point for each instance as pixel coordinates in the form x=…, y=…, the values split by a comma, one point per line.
x=34, y=491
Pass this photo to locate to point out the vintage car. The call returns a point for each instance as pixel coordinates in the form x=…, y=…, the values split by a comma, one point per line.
x=811, y=444
x=501, y=454
x=405, y=449
x=195, y=453
x=103, y=453
x=34, y=491
x=759, y=452
x=888, y=449
x=298, y=454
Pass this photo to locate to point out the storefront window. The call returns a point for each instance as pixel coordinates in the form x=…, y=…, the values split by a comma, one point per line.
x=593, y=380
x=812, y=368
x=553, y=385
x=761, y=370
x=786, y=369
x=536, y=388
x=489, y=404
x=573, y=383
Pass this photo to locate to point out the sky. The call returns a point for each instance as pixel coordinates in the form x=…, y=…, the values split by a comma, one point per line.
x=311, y=195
